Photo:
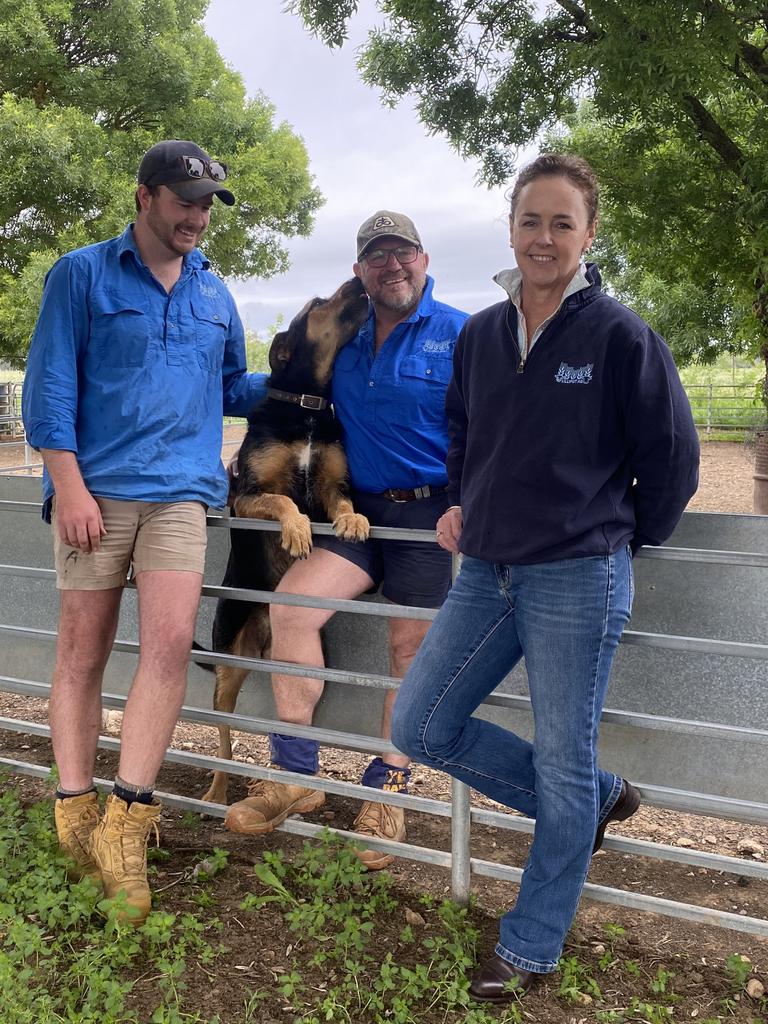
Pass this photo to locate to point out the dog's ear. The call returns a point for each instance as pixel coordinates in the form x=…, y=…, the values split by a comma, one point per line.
x=281, y=350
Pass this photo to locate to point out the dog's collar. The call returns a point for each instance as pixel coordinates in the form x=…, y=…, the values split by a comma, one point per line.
x=314, y=402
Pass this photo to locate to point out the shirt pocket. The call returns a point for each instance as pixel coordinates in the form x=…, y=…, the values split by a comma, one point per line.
x=425, y=378
x=211, y=332
x=120, y=330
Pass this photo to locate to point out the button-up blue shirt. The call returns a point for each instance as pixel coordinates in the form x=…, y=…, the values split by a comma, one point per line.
x=391, y=404
x=134, y=380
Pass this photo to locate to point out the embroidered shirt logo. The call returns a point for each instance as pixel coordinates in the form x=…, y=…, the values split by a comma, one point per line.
x=574, y=374
x=208, y=290
x=436, y=346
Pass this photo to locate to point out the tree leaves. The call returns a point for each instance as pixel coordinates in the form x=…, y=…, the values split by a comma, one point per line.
x=86, y=86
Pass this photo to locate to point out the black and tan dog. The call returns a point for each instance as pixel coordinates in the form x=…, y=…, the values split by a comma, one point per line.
x=292, y=469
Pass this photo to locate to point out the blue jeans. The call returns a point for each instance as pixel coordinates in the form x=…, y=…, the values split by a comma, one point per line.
x=565, y=618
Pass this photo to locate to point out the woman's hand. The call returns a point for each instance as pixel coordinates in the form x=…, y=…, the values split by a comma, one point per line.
x=448, y=529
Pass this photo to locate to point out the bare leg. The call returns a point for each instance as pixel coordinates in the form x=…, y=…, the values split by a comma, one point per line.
x=87, y=627
x=168, y=601
x=405, y=636
x=296, y=631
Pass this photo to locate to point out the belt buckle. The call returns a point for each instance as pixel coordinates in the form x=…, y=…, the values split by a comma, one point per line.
x=311, y=402
x=390, y=495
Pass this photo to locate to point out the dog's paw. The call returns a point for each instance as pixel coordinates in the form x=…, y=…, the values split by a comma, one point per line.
x=217, y=794
x=297, y=536
x=351, y=526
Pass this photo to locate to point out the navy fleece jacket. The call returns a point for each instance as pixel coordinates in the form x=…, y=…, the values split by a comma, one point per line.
x=591, y=446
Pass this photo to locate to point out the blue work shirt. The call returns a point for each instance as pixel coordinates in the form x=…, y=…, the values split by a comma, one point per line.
x=133, y=380
x=391, y=404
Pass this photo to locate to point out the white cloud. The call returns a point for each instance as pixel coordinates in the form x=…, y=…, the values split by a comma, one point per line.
x=364, y=157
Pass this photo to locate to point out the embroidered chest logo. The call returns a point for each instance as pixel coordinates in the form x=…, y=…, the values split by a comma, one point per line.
x=208, y=291
x=436, y=346
x=574, y=374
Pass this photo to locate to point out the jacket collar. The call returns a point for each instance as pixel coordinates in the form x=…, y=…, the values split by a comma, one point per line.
x=587, y=276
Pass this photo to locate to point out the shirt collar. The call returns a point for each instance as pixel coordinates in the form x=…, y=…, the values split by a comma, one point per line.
x=127, y=244
x=425, y=307
x=511, y=281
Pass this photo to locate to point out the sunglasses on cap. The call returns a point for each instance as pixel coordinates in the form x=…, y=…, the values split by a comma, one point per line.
x=196, y=167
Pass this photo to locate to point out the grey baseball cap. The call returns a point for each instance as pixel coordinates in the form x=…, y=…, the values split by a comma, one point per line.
x=385, y=223
x=166, y=164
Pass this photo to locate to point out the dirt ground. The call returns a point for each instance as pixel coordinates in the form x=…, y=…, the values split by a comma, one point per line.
x=696, y=953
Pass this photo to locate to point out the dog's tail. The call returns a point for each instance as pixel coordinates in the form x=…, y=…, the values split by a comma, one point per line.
x=199, y=647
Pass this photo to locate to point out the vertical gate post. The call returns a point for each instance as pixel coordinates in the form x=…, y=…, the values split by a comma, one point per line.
x=460, y=869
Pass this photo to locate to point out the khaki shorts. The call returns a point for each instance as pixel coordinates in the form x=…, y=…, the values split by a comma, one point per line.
x=142, y=535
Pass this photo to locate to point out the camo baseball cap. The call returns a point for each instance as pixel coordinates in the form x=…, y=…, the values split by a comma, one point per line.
x=385, y=223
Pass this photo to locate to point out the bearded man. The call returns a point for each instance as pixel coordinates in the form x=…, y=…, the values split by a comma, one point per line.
x=389, y=386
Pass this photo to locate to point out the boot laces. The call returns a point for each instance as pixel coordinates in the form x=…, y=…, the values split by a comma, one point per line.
x=134, y=843
x=377, y=819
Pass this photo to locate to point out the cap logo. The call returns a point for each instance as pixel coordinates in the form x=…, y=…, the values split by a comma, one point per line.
x=383, y=222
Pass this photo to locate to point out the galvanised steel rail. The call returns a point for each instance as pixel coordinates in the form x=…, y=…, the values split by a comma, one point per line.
x=505, y=700
x=459, y=810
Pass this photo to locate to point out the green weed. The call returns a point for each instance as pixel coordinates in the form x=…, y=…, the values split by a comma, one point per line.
x=331, y=905
x=60, y=960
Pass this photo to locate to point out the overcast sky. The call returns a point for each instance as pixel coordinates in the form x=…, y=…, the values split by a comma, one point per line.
x=364, y=157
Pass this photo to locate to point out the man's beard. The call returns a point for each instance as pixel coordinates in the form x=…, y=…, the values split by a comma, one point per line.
x=402, y=305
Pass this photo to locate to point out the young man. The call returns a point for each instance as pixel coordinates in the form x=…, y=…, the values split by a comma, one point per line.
x=137, y=350
x=389, y=387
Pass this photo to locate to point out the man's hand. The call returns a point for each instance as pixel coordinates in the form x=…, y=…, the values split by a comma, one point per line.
x=448, y=530
x=232, y=473
x=78, y=520
x=78, y=516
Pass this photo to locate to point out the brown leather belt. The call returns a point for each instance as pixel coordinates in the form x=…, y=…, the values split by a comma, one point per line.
x=398, y=494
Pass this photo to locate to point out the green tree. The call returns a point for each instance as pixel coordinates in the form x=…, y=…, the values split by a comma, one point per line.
x=676, y=125
x=85, y=87
x=672, y=241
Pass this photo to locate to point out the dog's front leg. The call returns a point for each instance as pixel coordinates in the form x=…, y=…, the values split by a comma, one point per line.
x=333, y=493
x=296, y=531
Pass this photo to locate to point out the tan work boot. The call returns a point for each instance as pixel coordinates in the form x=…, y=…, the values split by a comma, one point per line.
x=76, y=817
x=268, y=804
x=119, y=848
x=380, y=821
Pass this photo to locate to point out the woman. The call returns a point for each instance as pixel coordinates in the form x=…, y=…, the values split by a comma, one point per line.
x=572, y=444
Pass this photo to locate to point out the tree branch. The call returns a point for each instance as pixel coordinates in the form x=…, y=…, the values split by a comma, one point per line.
x=711, y=132
x=578, y=14
x=753, y=58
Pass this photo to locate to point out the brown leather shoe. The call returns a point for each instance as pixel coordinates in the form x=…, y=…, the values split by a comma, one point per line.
x=268, y=804
x=628, y=802
x=492, y=982
x=379, y=821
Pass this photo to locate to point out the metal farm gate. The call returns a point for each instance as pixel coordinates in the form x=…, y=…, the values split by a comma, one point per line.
x=687, y=706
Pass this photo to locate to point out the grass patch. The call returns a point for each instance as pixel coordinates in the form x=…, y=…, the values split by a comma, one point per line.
x=61, y=959
x=305, y=939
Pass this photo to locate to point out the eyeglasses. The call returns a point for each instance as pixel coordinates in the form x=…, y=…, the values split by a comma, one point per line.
x=196, y=167
x=403, y=254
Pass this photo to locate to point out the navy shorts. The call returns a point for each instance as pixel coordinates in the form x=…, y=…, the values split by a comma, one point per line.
x=410, y=572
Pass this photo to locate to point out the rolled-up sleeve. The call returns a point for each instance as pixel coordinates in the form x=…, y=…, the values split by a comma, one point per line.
x=242, y=390
x=49, y=396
